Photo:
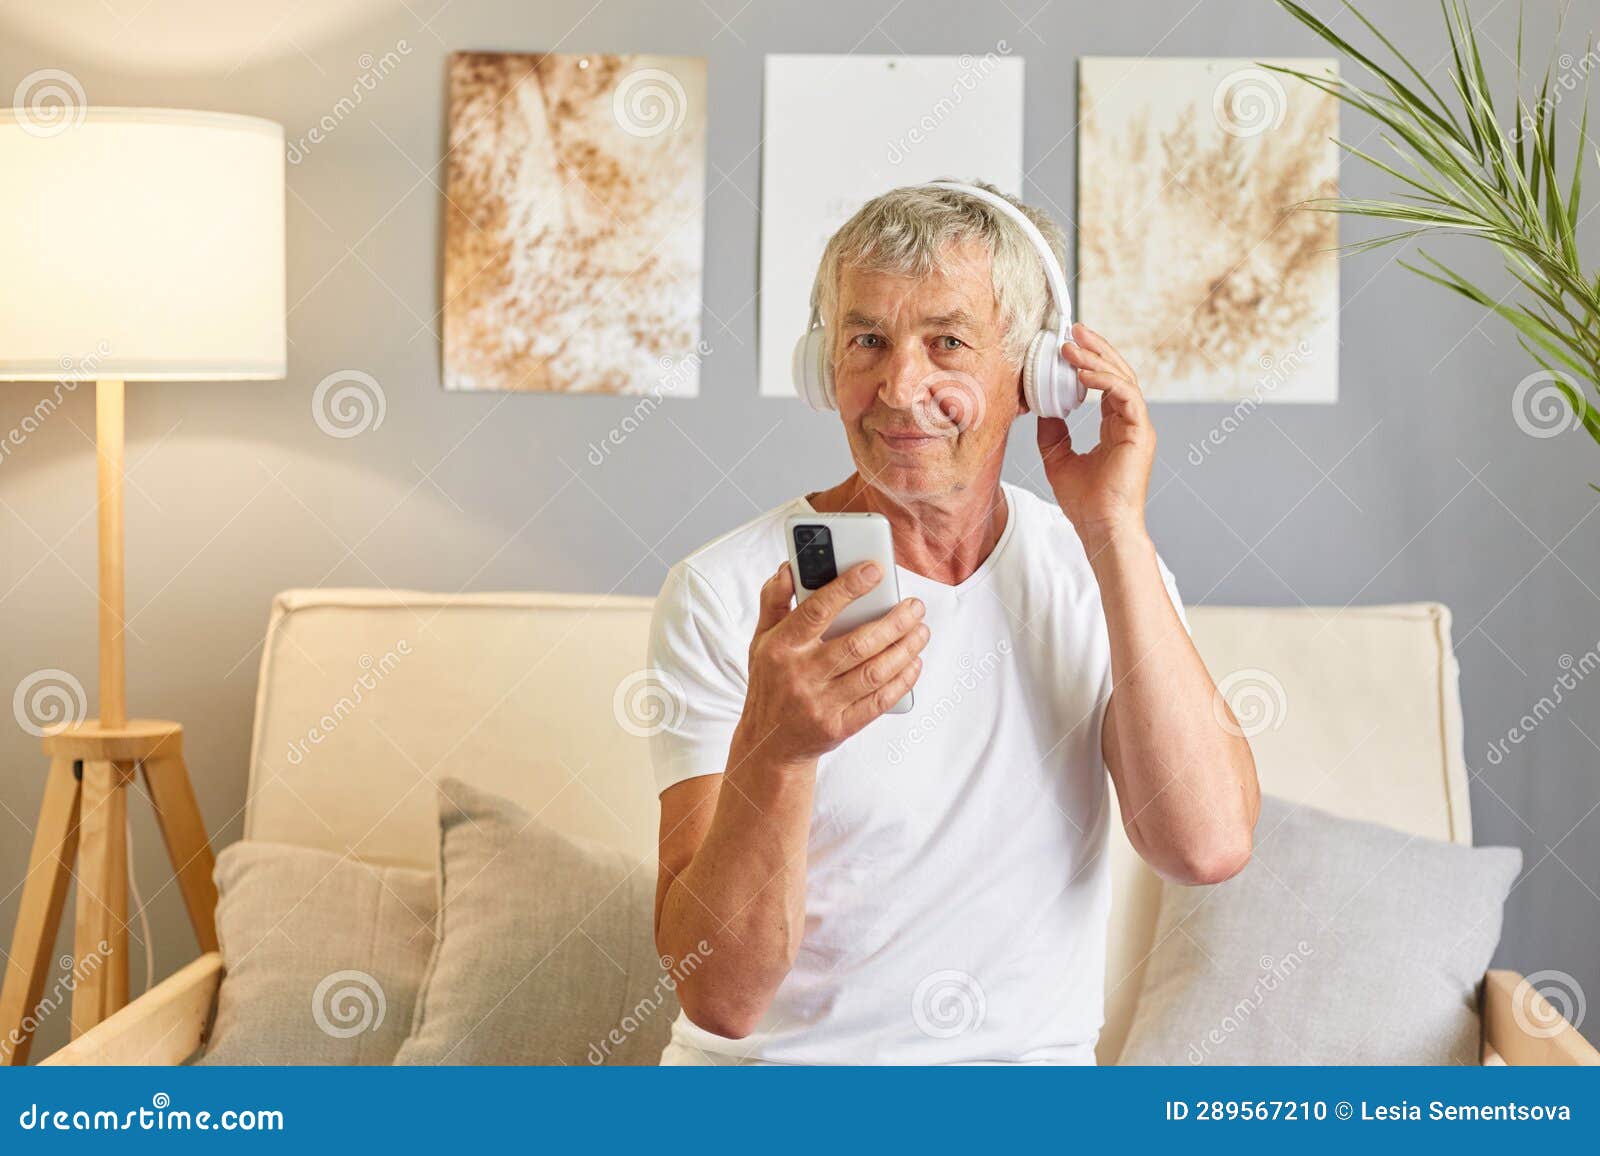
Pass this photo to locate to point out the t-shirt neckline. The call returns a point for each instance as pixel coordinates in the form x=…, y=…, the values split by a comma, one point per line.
x=971, y=580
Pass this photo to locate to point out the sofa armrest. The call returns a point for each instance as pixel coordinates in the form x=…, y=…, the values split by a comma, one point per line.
x=1521, y=1027
x=164, y=1026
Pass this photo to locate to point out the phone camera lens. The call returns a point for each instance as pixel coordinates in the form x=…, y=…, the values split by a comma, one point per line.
x=814, y=553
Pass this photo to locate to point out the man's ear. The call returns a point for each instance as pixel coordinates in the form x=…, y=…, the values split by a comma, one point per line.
x=1022, y=397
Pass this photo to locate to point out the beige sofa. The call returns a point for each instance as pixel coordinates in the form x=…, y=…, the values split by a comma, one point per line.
x=368, y=696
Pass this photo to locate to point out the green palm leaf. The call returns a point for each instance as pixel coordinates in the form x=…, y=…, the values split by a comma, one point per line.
x=1466, y=173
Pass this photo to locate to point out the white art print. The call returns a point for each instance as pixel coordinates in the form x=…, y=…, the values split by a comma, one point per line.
x=1193, y=257
x=574, y=223
x=840, y=130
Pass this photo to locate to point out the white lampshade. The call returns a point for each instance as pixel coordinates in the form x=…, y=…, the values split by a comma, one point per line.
x=141, y=244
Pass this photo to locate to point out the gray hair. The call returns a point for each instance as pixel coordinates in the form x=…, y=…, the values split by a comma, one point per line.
x=907, y=232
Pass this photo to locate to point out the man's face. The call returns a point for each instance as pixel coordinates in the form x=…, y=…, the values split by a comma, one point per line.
x=925, y=391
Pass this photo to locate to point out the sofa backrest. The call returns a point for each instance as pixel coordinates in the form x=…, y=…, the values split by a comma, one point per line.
x=366, y=697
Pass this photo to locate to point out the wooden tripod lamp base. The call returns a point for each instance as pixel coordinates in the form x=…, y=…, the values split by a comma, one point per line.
x=82, y=833
x=83, y=824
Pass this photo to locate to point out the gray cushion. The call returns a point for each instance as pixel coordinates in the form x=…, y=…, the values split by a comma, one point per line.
x=1341, y=943
x=546, y=952
x=324, y=956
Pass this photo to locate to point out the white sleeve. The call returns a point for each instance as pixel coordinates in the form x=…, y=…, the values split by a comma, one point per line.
x=1172, y=592
x=702, y=664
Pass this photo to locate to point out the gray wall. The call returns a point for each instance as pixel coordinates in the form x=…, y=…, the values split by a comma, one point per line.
x=1417, y=485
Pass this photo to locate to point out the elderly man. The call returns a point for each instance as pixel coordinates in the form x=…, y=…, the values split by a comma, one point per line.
x=858, y=886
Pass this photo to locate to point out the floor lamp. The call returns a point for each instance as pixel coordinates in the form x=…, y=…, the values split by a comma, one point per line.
x=138, y=245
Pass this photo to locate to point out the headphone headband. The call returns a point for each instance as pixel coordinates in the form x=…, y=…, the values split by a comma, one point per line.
x=1053, y=275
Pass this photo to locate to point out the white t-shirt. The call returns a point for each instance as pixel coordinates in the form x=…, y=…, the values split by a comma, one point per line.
x=957, y=888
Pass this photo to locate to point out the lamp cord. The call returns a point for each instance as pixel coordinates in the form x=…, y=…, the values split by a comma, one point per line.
x=144, y=916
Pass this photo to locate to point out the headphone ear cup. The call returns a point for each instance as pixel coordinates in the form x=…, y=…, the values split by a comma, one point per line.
x=1049, y=381
x=1030, y=378
x=813, y=375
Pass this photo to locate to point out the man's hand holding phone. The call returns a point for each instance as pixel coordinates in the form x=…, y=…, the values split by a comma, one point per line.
x=808, y=694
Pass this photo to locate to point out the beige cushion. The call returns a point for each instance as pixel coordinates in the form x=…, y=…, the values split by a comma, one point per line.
x=532, y=696
x=1340, y=943
x=323, y=956
x=545, y=953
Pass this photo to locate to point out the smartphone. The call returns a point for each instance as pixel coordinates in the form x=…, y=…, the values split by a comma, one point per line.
x=823, y=546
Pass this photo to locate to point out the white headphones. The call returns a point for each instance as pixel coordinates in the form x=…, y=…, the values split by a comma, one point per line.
x=1049, y=382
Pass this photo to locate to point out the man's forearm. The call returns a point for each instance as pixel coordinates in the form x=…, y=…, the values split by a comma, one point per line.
x=1185, y=779
x=743, y=893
